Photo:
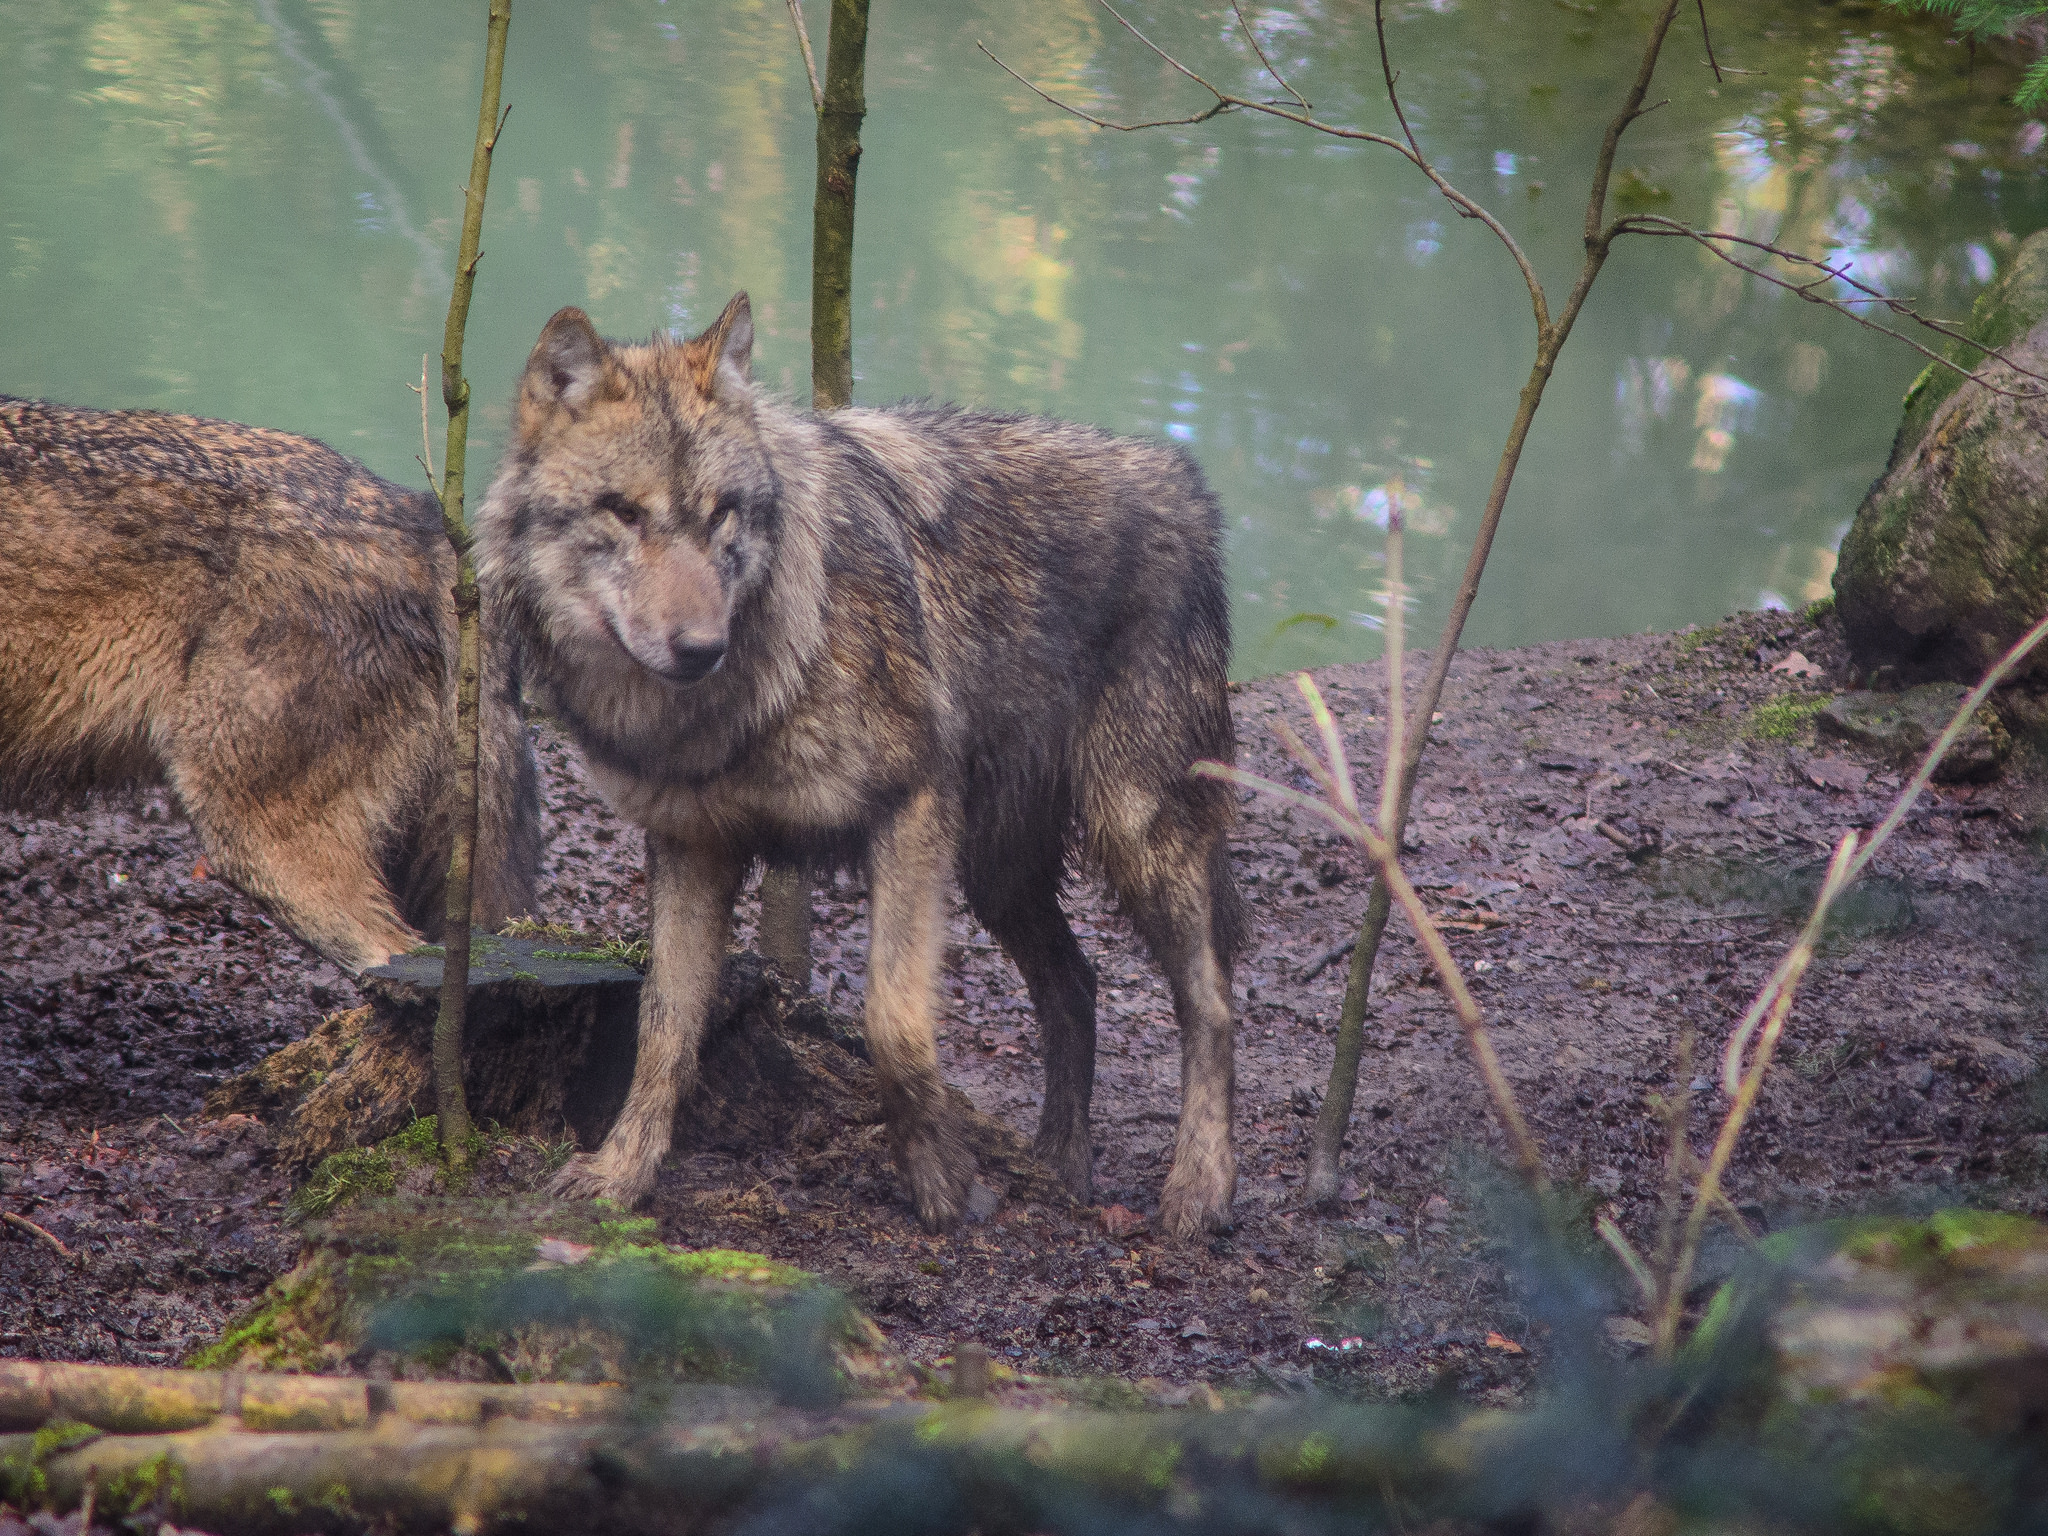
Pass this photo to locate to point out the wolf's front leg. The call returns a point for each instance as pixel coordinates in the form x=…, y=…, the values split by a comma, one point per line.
x=908, y=865
x=693, y=891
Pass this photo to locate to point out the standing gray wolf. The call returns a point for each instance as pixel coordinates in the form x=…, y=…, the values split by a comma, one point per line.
x=267, y=626
x=923, y=638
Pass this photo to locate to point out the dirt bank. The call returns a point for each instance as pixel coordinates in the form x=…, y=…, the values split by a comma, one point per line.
x=128, y=988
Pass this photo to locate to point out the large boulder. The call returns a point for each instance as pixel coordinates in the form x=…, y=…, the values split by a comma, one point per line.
x=1946, y=563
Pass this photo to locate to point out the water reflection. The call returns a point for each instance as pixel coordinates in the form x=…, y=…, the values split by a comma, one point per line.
x=245, y=208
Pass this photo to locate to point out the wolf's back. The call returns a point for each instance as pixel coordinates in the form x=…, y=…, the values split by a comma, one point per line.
x=256, y=619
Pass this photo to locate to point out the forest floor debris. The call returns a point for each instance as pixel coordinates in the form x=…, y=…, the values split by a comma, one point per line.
x=1620, y=836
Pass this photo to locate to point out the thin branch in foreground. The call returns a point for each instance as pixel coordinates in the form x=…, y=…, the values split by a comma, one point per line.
x=1341, y=810
x=803, y=40
x=1046, y=96
x=426, y=460
x=1764, y=1022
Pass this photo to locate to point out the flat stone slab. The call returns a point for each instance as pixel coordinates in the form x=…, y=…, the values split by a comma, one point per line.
x=1900, y=727
x=492, y=959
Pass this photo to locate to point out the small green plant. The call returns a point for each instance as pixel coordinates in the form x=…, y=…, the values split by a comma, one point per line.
x=365, y=1172
x=153, y=1489
x=1821, y=608
x=22, y=1480
x=534, y=928
x=633, y=952
x=1979, y=20
x=1783, y=718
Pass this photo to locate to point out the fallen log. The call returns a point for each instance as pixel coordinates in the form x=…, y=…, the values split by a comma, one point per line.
x=138, y=1400
x=684, y=1459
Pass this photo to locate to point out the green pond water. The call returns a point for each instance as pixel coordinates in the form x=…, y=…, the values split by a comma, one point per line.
x=247, y=208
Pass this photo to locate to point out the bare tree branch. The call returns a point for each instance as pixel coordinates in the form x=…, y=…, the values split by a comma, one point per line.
x=1223, y=104
x=1712, y=62
x=1225, y=101
x=1716, y=241
x=1253, y=38
x=1465, y=206
x=803, y=40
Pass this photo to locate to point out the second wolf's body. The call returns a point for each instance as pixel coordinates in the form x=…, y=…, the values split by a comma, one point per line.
x=267, y=627
x=927, y=639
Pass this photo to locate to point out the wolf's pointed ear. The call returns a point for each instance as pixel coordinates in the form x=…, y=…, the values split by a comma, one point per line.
x=729, y=340
x=565, y=371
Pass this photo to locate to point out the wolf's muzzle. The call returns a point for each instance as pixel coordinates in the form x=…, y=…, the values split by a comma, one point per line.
x=693, y=663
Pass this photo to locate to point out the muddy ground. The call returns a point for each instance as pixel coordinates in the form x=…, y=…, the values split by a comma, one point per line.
x=130, y=984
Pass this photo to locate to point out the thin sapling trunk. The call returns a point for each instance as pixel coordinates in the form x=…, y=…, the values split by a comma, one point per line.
x=451, y=1106
x=841, y=105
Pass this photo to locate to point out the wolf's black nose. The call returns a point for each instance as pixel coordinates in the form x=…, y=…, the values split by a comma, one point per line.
x=692, y=662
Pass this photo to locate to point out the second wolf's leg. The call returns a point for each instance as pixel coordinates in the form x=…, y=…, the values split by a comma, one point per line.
x=1163, y=867
x=313, y=872
x=909, y=861
x=693, y=892
x=1021, y=909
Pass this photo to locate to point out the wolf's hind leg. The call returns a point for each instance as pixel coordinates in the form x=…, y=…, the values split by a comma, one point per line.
x=1019, y=903
x=1165, y=866
x=909, y=861
x=315, y=873
x=693, y=892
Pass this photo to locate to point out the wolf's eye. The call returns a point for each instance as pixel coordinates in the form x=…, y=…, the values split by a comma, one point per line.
x=727, y=505
x=628, y=512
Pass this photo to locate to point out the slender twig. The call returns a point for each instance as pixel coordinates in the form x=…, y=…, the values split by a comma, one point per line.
x=1253, y=38
x=1397, y=726
x=451, y=1105
x=1715, y=241
x=1225, y=101
x=1339, y=806
x=1706, y=35
x=1638, y=1271
x=1322, y=961
x=23, y=1224
x=1222, y=105
x=803, y=39
x=1747, y=1057
x=425, y=460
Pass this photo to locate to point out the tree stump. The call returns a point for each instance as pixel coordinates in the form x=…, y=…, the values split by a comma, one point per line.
x=549, y=1053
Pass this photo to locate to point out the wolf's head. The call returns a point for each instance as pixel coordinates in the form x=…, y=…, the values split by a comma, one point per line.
x=637, y=509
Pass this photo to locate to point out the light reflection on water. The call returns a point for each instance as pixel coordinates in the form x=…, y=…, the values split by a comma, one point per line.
x=246, y=207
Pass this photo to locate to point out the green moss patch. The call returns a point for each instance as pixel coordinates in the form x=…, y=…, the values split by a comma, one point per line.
x=534, y=1289
x=1783, y=718
x=366, y=1172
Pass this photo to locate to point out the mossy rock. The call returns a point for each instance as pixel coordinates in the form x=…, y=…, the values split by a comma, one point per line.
x=1901, y=727
x=536, y=1289
x=1948, y=1313
x=1946, y=563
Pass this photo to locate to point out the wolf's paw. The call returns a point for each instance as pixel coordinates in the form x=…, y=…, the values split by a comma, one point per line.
x=1072, y=1162
x=1198, y=1200
x=939, y=1169
x=591, y=1176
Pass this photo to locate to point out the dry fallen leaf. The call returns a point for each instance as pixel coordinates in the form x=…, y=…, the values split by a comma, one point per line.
x=1508, y=1346
x=1796, y=665
x=1837, y=773
x=1121, y=1221
x=1627, y=1330
x=559, y=1250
